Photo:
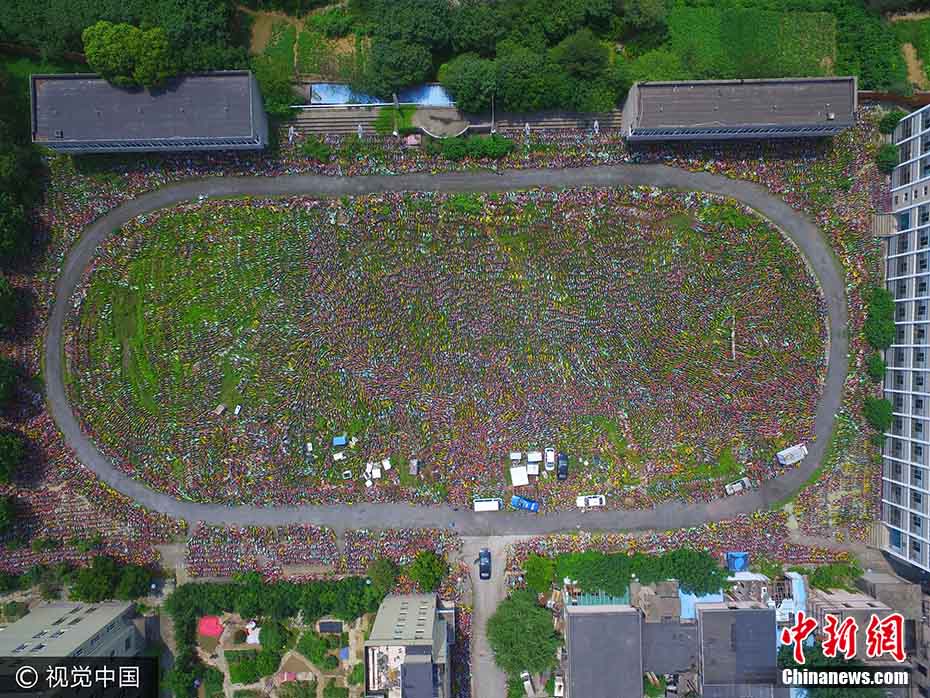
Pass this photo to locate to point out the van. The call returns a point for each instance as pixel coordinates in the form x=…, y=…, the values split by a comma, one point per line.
x=792, y=455
x=488, y=503
x=738, y=486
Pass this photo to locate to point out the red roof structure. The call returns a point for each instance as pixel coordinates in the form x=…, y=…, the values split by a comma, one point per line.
x=210, y=626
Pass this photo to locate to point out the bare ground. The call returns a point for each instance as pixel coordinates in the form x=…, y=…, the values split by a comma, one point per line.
x=916, y=72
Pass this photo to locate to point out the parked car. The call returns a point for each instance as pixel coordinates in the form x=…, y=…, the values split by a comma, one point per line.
x=562, y=470
x=518, y=502
x=550, y=459
x=586, y=501
x=527, y=683
x=484, y=564
x=738, y=486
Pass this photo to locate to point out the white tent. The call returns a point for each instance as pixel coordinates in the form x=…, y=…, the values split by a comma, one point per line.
x=518, y=476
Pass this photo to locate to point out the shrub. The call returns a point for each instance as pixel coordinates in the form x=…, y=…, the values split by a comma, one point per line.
x=383, y=573
x=330, y=662
x=875, y=367
x=333, y=691
x=470, y=80
x=315, y=149
x=879, y=327
x=492, y=147
x=886, y=158
x=539, y=573
x=357, y=675
x=890, y=120
x=878, y=413
x=332, y=22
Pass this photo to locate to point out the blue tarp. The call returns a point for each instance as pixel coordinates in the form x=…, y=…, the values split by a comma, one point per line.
x=738, y=562
x=337, y=93
x=688, y=611
x=339, y=441
x=344, y=654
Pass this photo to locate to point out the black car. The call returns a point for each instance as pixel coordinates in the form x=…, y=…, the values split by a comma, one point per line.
x=561, y=468
x=484, y=564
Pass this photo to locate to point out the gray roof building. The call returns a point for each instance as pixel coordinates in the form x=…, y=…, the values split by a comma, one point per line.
x=739, y=109
x=670, y=648
x=64, y=629
x=83, y=113
x=605, y=657
x=738, y=648
x=407, y=652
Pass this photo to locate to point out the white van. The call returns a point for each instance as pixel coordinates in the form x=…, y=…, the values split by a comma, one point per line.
x=488, y=503
x=792, y=455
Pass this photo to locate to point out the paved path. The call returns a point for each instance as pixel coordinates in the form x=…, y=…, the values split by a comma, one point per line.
x=668, y=515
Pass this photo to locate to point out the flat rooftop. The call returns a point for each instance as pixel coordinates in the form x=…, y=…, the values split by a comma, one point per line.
x=739, y=103
x=57, y=629
x=86, y=108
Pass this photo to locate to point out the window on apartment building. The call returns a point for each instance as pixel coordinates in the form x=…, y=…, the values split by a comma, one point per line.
x=918, y=381
x=917, y=477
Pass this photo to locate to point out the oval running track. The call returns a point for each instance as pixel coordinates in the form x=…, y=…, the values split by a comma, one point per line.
x=674, y=514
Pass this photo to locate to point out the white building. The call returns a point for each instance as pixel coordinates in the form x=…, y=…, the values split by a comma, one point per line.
x=905, y=478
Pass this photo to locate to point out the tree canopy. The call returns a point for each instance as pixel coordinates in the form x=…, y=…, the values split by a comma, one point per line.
x=12, y=452
x=521, y=635
x=128, y=56
x=7, y=513
x=428, y=570
x=8, y=375
x=395, y=64
x=105, y=579
x=470, y=80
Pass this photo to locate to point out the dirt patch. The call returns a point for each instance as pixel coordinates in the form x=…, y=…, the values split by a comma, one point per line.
x=908, y=16
x=262, y=23
x=915, y=67
x=296, y=664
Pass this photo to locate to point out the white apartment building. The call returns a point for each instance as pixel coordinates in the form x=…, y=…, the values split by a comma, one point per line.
x=905, y=475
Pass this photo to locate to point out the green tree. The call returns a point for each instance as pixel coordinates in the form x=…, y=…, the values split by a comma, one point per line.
x=582, y=55
x=7, y=513
x=395, y=64
x=470, y=81
x=428, y=570
x=97, y=581
x=887, y=158
x=383, y=573
x=111, y=49
x=298, y=689
x=275, y=85
x=875, y=367
x=477, y=26
x=522, y=83
x=134, y=582
x=152, y=65
x=644, y=15
x=422, y=22
x=539, y=573
x=12, y=451
x=520, y=634
x=7, y=303
x=889, y=121
x=656, y=65
x=878, y=413
x=879, y=326
x=127, y=56
x=8, y=376
x=13, y=227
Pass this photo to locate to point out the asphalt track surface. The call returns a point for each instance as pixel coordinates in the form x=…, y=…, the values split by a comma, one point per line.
x=669, y=515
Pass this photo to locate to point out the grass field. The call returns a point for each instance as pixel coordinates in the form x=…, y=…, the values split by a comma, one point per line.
x=657, y=338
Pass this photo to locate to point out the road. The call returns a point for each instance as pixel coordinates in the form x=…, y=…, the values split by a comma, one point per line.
x=795, y=225
x=487, y=530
